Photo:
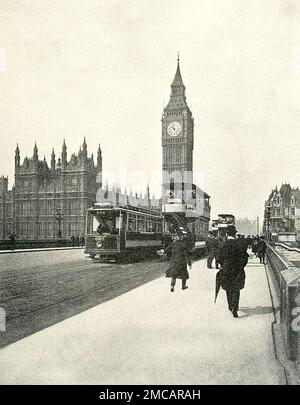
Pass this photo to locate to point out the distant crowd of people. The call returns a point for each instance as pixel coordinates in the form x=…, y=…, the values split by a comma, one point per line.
x=214, y=243
x=75, y=241
x=230, y=253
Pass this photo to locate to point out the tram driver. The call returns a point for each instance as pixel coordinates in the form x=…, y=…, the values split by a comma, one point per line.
x=102, y=228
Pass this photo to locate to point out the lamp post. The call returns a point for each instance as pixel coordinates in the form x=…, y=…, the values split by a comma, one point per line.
x=59, y=217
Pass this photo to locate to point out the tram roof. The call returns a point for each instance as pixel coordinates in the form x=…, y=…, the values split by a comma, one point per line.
x=100, y=206
x=199, y=189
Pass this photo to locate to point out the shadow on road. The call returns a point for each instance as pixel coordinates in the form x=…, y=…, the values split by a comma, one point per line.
x=41, y=296
x=255, y=311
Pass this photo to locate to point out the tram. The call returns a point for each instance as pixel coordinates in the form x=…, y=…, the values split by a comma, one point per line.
x=191, y=213
x=222, y=222
x=123, y=232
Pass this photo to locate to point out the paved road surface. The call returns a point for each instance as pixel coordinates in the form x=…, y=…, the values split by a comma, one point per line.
x=152, y=336
x=40, y=289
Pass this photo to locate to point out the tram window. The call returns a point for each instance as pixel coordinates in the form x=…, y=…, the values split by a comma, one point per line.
x=105, y=222
x=172, y=189
x=150, y=226
x=132, y=223
x=158, y=226
x=141, y=225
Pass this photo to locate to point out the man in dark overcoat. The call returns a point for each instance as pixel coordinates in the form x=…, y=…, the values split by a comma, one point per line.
x=211, y=244
x=12, y=239
x=262, y=249
x=255, y=245
x=221, y=243
x=243, y=242
x=233, y=258
x=179, y=260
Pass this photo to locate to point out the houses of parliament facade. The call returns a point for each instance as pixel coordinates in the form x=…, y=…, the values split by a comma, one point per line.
x=44, y=195
x=41, y=193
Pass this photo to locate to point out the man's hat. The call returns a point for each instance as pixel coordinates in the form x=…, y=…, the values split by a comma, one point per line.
x=231, y=230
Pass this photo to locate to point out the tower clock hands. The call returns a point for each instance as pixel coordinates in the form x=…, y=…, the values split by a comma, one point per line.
x=174, y=128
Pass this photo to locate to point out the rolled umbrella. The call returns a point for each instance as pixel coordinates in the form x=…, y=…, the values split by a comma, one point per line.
x=218, y=284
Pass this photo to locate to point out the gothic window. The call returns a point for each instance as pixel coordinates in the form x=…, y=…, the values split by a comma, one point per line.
x=25, y=208
x=73, y=207
x=40, y=230
x=50, y=229
x=30, y=230
x=8, y=229
x=25, y=229
x=293, y=211
x=9, y=210
x=41, y=207
x=50, y=207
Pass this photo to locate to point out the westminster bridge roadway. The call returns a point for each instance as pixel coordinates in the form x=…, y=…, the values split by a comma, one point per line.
x=72, y=321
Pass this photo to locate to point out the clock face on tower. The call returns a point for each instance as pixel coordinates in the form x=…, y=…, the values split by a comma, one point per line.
x=174, y=128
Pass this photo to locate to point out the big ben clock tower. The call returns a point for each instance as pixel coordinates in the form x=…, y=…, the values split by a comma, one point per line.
x=177, y=142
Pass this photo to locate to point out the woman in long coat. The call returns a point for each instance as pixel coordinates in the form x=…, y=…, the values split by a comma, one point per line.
x=180, y=258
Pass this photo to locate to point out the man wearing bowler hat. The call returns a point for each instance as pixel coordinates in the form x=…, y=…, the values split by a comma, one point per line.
x=233, y=258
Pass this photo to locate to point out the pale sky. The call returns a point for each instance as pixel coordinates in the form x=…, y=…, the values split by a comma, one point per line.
x=103, y=69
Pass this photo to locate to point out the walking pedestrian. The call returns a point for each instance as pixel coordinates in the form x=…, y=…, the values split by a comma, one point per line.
x=243, y=242
x=261, y=250
x=233, y=258
x=12, y=239
x=179, y=260
x=255, y=245
x=220, y=244
x=249, y=242
x=82, y=240
x=211, y=244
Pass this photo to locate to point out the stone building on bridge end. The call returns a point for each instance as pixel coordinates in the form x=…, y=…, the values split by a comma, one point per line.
x=282, y=212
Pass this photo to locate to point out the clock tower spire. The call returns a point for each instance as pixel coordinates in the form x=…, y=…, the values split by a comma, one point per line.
x=177, y=142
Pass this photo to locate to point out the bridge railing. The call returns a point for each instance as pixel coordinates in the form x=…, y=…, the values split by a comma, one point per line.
x=276, y=262
x=34, y=244
x=287, y=276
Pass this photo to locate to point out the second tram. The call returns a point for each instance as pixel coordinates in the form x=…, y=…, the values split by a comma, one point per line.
x=222, y=222
x=191, y=212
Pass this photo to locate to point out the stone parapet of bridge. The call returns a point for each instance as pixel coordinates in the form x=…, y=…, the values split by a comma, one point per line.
x=284, y=262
